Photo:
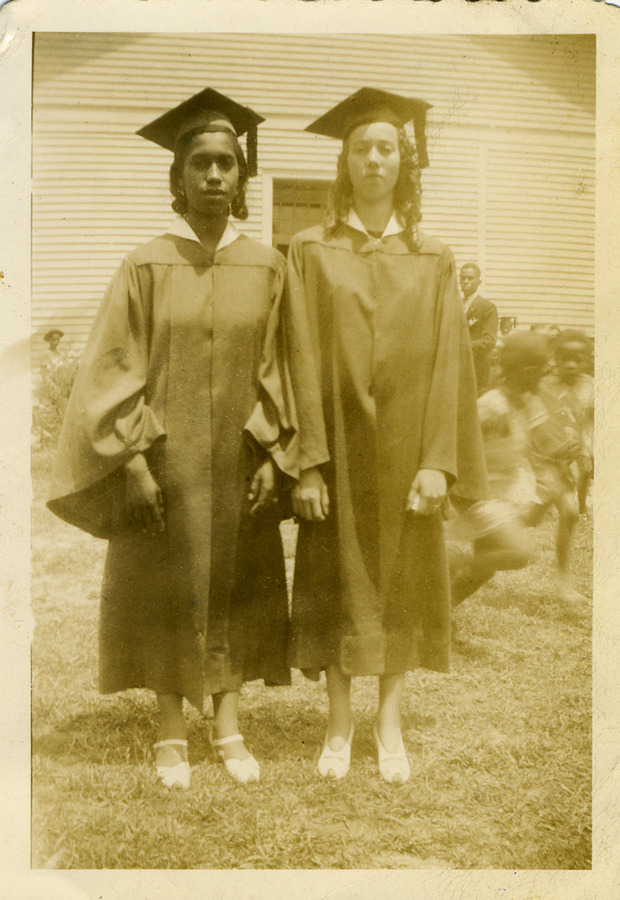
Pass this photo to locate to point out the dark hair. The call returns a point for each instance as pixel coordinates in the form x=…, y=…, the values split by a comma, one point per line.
x=238, y=206
x=522, y=348
x=571, y=336
x=407, y=192
x=474, y=266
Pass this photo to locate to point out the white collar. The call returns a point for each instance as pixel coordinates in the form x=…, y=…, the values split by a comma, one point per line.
x=392, y=227
x=181, y=228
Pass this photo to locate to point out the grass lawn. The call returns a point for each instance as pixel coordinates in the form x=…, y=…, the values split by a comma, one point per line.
x=500, y=748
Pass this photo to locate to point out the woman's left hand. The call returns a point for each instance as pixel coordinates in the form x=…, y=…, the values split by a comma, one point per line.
x=428, y=492
x=263, y=488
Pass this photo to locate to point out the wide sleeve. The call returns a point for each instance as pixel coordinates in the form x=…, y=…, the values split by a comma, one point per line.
x=301, y=335
x=273, y=422
x=451, y=438
x=108, y=419
x=472, y=481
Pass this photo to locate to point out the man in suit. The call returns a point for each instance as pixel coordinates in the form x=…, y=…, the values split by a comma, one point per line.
x=482, y=321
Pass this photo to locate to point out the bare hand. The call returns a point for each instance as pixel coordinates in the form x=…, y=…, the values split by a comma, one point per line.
x=145, y=502
x=428, y=492
x=263, y=488
x=310, y=497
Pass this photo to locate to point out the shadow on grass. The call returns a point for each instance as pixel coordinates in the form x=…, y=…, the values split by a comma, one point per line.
x=106, y=733
x=121, y=732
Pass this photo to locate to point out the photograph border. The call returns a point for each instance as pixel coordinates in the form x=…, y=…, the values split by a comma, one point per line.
x=19, y=19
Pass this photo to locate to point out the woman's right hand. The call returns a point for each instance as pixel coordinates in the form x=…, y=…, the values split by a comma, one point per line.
x=310, y=497
x=145, y=502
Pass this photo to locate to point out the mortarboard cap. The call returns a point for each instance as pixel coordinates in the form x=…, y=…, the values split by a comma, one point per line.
x=373, y=105
x=210, y=109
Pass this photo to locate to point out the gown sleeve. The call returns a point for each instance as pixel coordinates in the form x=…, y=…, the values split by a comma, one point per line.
x=452, y=440
x=108, y=419
x=472, y=480
x=273, y=422
x=300, y=321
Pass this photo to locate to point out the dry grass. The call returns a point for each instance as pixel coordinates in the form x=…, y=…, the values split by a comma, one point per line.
x=500, y=748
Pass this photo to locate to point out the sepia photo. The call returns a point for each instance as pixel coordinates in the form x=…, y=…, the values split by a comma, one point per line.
x=312, y=380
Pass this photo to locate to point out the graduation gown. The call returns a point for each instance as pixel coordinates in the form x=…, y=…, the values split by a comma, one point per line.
x=171, y=370
x=384, y=385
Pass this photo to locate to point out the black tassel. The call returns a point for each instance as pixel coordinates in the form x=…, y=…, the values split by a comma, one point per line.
x=251, y=143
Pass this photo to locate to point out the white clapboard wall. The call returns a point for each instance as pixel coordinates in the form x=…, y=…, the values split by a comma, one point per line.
x=511, y=141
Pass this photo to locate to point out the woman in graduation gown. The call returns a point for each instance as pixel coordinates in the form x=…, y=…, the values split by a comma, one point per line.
x=383, y=383
x=154, y=457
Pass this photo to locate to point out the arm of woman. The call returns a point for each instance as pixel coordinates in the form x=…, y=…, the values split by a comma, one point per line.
x=273, y=422
x=452, y=440
x=288, y=418
x=108, y=421
x=263, y=491
x=302, y=300
x=310, y=496
x=438, y=448
x=145, y=502
x=428, y=492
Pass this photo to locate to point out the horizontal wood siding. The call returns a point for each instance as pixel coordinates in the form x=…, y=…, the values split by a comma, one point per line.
x=511, y=140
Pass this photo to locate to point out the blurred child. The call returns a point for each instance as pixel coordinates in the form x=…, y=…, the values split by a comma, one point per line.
x=570, y=387
x=507, y=324
x=527, y=449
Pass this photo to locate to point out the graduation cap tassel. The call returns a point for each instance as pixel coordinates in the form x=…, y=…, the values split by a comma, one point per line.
x=251, y=144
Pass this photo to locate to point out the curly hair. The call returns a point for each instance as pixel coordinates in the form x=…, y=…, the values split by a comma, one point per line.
x=238, y=206
x=474, y=266
x=407, y=192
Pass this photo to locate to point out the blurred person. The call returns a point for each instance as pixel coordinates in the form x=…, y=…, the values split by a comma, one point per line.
x=528, y=449
x=153, y=455
x=57, y=357
x=52, y=339
x=507, y=324
x=588, y=363
x=52, y=388
x=552, y=335
x=569, y=386
x=507, y=413
x=482, y=322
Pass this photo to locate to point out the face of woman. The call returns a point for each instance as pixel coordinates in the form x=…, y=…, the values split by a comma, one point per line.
x=373, y=157
x=210, y=174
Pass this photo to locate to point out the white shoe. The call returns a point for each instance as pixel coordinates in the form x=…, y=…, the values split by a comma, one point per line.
x=245, y=771
x=335, y=764
x=394, y=767
x=175, y=777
